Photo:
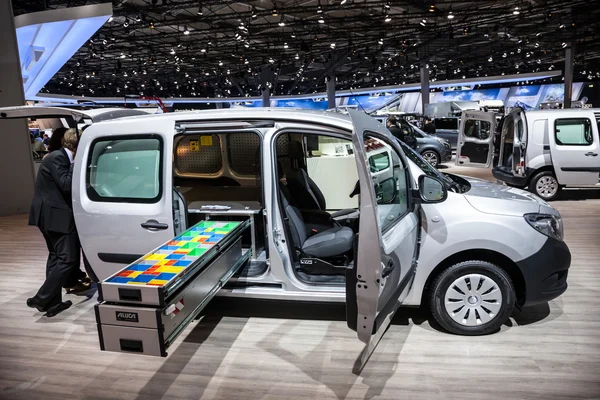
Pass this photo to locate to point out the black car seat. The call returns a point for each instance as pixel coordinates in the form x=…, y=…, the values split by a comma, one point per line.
x=333, y=242
x=304, y=191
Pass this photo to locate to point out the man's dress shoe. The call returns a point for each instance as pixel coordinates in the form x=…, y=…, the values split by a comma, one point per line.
x=32, y=303
x=58, y=308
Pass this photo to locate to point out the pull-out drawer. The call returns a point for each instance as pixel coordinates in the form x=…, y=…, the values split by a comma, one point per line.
x=151, y=330
x=156, y=277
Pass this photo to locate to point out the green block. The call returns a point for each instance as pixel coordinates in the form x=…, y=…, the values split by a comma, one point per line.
x=190, y=245
x=196, y=252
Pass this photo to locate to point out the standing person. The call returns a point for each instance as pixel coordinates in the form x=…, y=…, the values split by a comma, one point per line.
x=52, y=212
x=78, y=280
x=392, y=125
x=429, y=127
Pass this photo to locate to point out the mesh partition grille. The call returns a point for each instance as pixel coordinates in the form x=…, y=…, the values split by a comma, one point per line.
x=197, y=156
x=244, y=153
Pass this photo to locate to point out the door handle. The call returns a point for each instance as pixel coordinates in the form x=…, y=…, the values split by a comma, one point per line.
x=388, y=269
x=154, y=225
x=591, y=154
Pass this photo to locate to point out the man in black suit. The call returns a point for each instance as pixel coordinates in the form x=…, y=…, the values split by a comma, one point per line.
x=52, y=212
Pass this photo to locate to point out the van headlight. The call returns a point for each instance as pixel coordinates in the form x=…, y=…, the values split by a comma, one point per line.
x=549, y=225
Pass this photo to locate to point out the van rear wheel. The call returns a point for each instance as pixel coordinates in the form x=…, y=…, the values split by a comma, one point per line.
x=545, y=185
x=472, y=298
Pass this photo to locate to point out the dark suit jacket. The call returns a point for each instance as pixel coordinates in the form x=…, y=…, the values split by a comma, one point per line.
x=52, y=209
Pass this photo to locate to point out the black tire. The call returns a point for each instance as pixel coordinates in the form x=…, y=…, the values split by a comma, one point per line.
x=514, y=186
x=433, y=156
x=447, y=277
x=544, y=194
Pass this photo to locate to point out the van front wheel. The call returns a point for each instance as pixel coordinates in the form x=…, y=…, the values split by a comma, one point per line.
x=472, y=298
x=545, y=185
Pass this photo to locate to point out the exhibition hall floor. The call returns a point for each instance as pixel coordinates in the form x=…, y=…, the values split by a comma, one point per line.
x=265, y=350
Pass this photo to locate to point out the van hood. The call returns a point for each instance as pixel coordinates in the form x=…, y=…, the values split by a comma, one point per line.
x=491, y=198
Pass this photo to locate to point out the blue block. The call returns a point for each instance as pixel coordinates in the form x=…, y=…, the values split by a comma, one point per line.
x=169, y=248
x=119, y=279
x=140, y=267
x=174, y=256
x=143, y=278
x=165, y=276
x=182, y=263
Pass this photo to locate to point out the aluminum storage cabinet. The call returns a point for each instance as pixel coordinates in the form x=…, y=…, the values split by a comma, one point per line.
x=145, y=306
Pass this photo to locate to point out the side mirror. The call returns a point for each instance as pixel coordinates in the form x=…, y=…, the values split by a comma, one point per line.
x=431, y=190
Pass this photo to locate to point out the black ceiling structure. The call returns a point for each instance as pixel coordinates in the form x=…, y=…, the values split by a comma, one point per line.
x=207, y=48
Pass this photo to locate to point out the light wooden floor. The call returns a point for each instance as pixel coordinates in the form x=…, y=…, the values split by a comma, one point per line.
x=255, y=350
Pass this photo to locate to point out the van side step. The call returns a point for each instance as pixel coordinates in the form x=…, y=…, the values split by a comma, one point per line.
x=148, y=304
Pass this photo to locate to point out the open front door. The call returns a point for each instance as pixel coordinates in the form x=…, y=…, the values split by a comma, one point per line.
x=386, y=251
x=475, y=139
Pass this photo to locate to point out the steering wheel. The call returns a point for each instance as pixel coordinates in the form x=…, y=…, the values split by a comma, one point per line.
x=356, y=189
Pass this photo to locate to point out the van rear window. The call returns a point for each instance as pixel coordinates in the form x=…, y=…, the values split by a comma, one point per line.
x=125, y=169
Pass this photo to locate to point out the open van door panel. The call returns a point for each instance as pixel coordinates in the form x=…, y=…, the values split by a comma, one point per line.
x=123, y=192
x=72, y=116
x=519, y=143
x=475, y=139
x=575, y=151
x=385, y=262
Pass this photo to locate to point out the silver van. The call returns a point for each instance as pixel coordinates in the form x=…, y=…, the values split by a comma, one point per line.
x=542, y=150
x=339, y=212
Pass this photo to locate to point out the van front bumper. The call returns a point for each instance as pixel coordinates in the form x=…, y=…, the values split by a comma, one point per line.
x=545, y=272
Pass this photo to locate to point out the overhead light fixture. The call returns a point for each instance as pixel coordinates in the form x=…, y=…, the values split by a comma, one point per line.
x=564, y=45
x=203, y=50
x=297, y=57
x=423, y=22
x=332, y=45
x=282, y=21
x=254, y=13
x=271, y=60
x=516, y=11
x=285, y=46
x=380, y=41
x=387, y=18
x=220, y=63
x=186, y=31
x=450, y=15
x=343, y=2
x=151, y=25
x=432, y=8
x=172, y=51
x=126, y=23
x=111, y=19
x=274, y=12
x=321, y=20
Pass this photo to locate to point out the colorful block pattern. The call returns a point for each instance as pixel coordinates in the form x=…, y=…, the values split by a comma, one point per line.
x=161, y=266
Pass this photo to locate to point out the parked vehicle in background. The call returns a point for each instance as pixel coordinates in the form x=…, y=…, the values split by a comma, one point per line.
x=542, y=150
x=447, y=128
x=433, y=149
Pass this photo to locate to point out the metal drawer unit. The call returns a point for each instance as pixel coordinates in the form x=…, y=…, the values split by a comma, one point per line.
x=143, y=314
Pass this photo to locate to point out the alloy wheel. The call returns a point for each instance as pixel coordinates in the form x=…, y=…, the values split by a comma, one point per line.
x=431, y=158
x=546, y=187
x=473, y=299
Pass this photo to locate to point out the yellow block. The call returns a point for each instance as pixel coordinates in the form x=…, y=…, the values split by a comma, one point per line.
x=134, y=274
x=158, y=281
x=155, y=256
x=169, y=269
x=135, y=283
x=180, y=244
x=208, y=230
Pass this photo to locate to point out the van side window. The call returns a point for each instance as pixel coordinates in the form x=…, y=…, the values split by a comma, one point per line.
x=477, y=129
x=125, y=170
x=573, y=132
x=389, y=177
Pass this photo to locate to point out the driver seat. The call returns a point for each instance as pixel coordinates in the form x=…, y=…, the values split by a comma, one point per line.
x=333, y=242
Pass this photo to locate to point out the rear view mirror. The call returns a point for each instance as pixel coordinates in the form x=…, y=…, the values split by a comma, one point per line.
x=431, y=189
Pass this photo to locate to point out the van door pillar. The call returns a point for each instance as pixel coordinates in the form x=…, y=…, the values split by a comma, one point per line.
x=568, y=75
x=424, y=87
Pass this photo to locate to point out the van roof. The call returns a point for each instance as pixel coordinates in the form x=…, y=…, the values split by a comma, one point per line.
x=564, y=111
x=332, y=117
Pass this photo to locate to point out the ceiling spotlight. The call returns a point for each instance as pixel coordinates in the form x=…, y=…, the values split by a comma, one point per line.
x=490, y=59
x=126, y=23
x=110, y=19
x=246, y=62
x=271, y=60
x=423, y=22
x=516, y=11
x=220, y=63
x=274, y=12
x=332, y=45
x=203, y=50
x=151, y=25
x=387, y=18
x=254, y=13
x=343, y=2
x=297, y=57
x=321, y=20
x=450, y=15
x=282, y=21
x=564, y=45
x=561, y=26
x=432, y=8
x=172, y=51
x=186, y=31
x=380, y=41
x=285, y=46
